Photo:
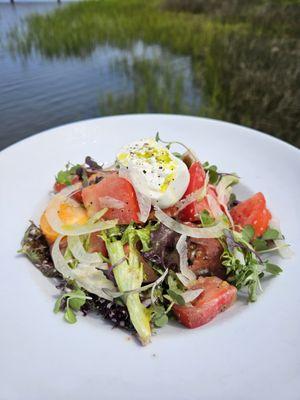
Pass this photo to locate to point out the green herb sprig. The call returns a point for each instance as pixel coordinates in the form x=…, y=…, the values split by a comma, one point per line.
x=159, y=316
x=169, y=144
x=244, y=266
x=175, y=291
x=214, y=176
x=66, y=176
x=71, y=302
x=264, y=243
x=206, y=219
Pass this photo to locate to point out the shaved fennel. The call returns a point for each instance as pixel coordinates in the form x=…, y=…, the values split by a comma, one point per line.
x=85, y=275
x=191, y=295
x=214, y=231
x=224, y=190
x=214, y=206
x=81, y=255
x=198, y=195
x=140, y=289
x=181, y=247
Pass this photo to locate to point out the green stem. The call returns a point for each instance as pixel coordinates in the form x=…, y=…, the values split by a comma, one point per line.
x=129, y=276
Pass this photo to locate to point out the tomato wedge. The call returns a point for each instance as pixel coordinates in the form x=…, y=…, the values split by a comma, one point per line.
x=216, y=297
x=197, y=178
x=96, y=244
x=116, y=188
x=60, y=186
x=205, y=254
x=252, y=212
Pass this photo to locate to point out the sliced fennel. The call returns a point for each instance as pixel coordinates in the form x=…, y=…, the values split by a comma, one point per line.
x=140, y=289
x=224, y=187
x=86, y=275
x=78, y=251
x=224, y=190
x=197, y=195
x=181, y=247
x=214, y=231
x=214, y=206
x=183, y=279
x=191, y=295
x=156, y=283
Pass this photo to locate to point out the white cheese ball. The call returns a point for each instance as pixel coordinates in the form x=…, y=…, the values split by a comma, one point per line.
x=156, y=172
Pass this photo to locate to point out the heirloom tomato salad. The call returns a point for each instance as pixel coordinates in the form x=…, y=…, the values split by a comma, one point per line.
x=158, y=235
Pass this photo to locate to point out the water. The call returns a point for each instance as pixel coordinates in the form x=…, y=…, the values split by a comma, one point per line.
x=38, y=93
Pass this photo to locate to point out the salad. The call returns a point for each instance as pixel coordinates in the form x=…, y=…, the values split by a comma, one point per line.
x=158, y=235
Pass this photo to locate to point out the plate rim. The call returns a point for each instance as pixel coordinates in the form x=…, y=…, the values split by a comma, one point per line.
x=247, y=129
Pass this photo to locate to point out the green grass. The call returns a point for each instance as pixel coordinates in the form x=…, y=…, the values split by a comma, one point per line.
x=151, y=80
x=245, y=55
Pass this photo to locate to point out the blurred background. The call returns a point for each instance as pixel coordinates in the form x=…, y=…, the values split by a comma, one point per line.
x=235, y=60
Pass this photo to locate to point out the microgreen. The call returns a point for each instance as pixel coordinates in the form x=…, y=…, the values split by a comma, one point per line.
x=159, y=316
x=70, y=302
x=264, y=243
x=83, y=175
x=169, y=144
x=176, y=297
x=232, y=201
x=77, y=302
x=70, y=316
x=206, y=219
x=93, y=164
x=66, y=176
x=176, y=289
x=242, y=272
x=176, y=154
x=260, y=244
x=244, y=266
x=214, y=176
x=273, y=268
x=271, y=234
x=248, y=233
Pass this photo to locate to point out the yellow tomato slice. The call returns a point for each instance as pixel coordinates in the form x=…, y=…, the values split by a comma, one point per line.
x=69, y=214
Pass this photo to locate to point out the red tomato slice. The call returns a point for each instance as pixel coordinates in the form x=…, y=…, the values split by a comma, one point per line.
x=197, y=178
x=117, y=188
x=252, y=212
x=96, y=244
x=60, y=186
x=171, y=211
x=216, y=297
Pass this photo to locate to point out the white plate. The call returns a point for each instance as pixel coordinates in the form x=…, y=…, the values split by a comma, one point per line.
x=248, y=352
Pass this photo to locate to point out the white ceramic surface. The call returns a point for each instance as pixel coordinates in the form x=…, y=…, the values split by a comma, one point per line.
x=248, y=352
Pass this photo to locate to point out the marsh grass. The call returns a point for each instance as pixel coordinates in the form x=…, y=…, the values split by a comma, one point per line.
x=245, y=55
x=151, y=78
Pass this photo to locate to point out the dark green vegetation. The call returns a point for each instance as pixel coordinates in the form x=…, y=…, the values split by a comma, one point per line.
x=245, y=55
x=156, y=88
